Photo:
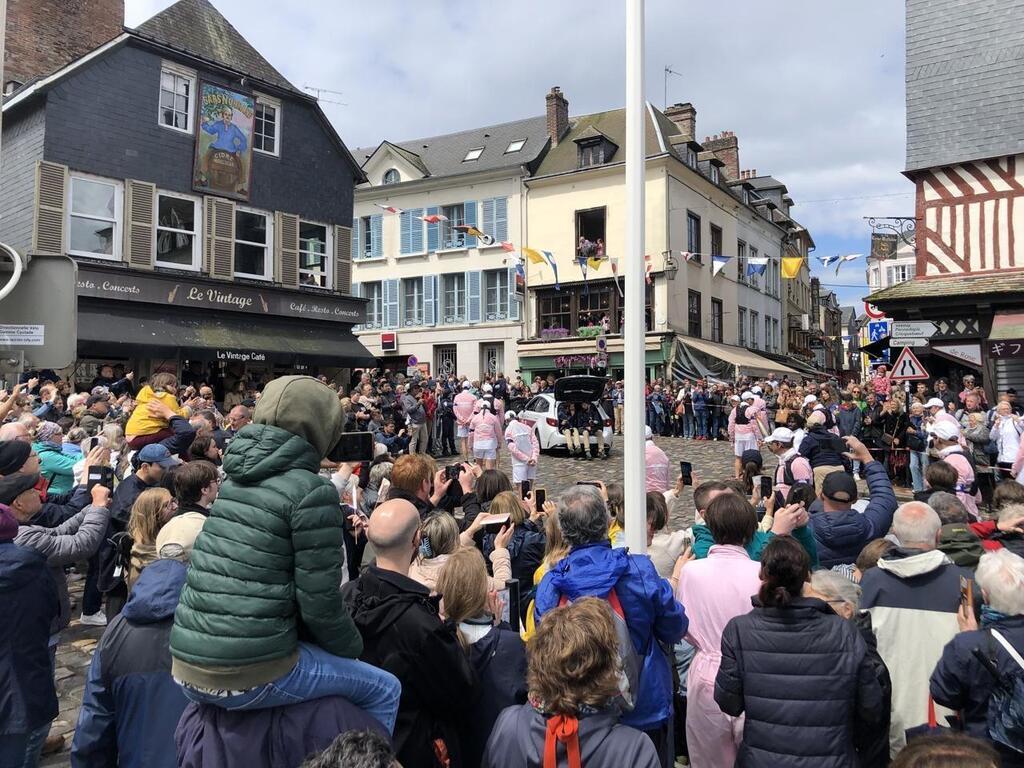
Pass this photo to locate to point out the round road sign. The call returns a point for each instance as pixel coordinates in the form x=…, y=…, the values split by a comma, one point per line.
x=873, y=312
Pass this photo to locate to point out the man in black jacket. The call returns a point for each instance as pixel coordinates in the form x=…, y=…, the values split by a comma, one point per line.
x=404, y=634
x=416, y=479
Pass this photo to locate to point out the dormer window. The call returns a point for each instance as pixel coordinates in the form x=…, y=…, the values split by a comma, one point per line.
x=473, y=154
x=691, y=157
x=391, y=176
x=515, y=146
x=746, y=196
x=591, y=152
x=715, y=175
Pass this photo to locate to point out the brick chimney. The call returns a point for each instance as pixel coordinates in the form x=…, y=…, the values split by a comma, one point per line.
x=558, y=115
x=727, y=149
x=44, y=35
x=685, y=117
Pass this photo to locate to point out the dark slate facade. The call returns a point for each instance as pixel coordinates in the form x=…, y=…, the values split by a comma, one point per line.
x=22, y=148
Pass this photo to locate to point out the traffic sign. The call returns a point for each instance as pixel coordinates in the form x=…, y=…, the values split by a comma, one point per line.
x=908, y=368
x=912, y=329
x=412, y=362
x=873, y=312
x=909, y=342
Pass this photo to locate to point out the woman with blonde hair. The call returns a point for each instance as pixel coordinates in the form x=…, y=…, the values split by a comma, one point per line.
x=555, y=548
x=440, y=539
x=151, y=510
x=495, y=651
x=526, y=544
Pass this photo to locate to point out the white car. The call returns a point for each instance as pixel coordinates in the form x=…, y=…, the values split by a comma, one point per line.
x=541, y=411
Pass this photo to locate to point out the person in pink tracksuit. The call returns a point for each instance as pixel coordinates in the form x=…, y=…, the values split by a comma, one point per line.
x=657, y=465
x=464, y=405
x=714, y=590
x=485, y=436
x=744, y=429
x=523, y=447
x=946, y=437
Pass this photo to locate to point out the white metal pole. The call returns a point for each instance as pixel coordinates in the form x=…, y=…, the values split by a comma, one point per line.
x=633, y=334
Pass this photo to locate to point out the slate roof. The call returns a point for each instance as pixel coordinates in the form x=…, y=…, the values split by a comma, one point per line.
x=964, y=80
x=996, y=285
x=443, y=155
x=198, y=28
x=766, y=182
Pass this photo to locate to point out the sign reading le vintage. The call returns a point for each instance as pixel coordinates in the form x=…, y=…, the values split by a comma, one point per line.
x=178, y=291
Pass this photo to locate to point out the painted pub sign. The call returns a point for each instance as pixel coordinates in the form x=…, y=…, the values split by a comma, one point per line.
x=223, y=162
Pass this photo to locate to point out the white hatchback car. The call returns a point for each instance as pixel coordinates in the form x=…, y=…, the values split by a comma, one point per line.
x=541, y=411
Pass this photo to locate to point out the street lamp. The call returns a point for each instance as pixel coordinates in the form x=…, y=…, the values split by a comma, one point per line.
x=671, y=265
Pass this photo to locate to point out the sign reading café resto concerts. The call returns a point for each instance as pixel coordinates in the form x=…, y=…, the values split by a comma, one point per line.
x=179, y=291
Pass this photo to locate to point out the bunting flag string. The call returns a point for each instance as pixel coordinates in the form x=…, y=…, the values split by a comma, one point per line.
x=554, y=267
x=389, y=208
x=534, y=256
x=433, y=218
x=506, y=245
x=826, y=260
x=756, y=265
x=844, y=259
x=614, y=262
x=718, y=264
x=791, y=266
x=470, y=230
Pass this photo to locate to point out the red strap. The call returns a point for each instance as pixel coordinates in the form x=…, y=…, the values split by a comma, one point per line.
x=931, y=713
x=563, y=728
x=563, y=600
x=613, y=601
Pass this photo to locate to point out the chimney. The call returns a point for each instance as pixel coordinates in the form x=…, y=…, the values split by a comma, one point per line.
x=727, y=149
x=44, y=35
x=685, y=117
x=558, y=115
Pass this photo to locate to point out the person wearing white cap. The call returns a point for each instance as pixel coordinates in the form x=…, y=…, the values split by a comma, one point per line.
x=464, y=405
x=793, y=468
x=523, y=448
x=946, y=437
x=743, y=429
x=657, y=465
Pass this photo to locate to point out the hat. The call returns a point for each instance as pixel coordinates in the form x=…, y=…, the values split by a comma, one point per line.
x=13, y=455
x=839, y=486
x=155, y=453
x=735, y=398
x=935, y=403
x=780, y=435
x=100, y=391
x=485, y=405
x=487, y=387
x=946, y=430
x=756, y=390
x=93, y=399
x=47, y=431
x=12, y=486
x=747, y=396
x=8, y=525
x=648, y=434
x=752, y=456
x=808, y=399
x=510, y=415
x=466, y=385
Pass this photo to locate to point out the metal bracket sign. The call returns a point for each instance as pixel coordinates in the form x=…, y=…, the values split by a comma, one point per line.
x=912, y=329
x=908, y=368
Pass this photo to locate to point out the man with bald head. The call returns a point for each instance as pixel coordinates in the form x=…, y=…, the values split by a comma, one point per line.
x=15, y=430
x=913, y=597
x=404, y=634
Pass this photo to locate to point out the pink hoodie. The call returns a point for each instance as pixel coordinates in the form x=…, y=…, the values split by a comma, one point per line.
x=657, y=468
x=463, y=406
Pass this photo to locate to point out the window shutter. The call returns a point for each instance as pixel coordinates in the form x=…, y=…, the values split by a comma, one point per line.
x=354, y=245
x=342, y=259
x=286, y=249
x=222, y=238
x=415, y=230
x=376, y=236
x=500, y=231
x=207, y=236
x=430, y=299
x=487, y=215
x=391, y=303
x=48, y=224
x=139, y=225
x=470, y=215
x=473, y=297
x=513, y=297
x=405, y=241
x=433, y=231
x=357, y=290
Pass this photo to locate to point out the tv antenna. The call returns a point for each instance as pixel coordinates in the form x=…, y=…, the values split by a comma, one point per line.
x=669, y=71
x=319, y=94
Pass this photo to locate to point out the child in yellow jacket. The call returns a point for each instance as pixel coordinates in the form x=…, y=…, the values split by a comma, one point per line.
x=143, y=428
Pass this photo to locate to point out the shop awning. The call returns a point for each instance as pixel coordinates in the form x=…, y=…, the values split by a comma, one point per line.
x=697, y=358
x=141, y=332
x=799, y=365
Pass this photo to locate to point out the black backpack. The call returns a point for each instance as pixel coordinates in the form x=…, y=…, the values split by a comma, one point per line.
x=1006, y=705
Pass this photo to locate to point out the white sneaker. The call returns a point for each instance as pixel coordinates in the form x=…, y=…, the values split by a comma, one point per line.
x=98, y=619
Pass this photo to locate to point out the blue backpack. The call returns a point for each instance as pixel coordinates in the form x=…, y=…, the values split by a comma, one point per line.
x=1006, y=707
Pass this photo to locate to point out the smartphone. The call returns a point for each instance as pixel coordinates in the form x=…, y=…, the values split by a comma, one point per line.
x=539, y=497
x=525, y=488
x=510, y=604
x=686, y=470
x=100, y=476
x=453, y=471
x=766, y=486
x=351, y=447
x=967, y=594
x=588, y=482
x=92, y=443
x=494, y=523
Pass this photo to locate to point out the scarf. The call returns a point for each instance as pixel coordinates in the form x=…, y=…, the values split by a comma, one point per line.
x=563, y=728
x=990, y=616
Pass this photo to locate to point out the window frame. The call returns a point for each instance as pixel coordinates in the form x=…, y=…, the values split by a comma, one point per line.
x=328, y=255
x=478, y=150
x=457, y=317
x=741, y=261
x=691, y=246
x=275, y=104
x=374, y=304
x=715, y=175
x=117, y=245
x=197, y=235
x=177, y=70
x=691, y=157
x=388, y=172
x=268, y=262
x=755, y=281
x=404, y=302
x=505, y=301
x=741, y=326
x=520, y=142
x=693, y=314
x=717, y=319
x=754, y=318
x=449, y=238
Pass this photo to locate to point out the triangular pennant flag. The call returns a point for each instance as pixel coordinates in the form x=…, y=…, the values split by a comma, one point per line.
x=826, y=260
x=718, y=264
x=554, y=267
x=594, y=263
x=844, y=259
x=507, y=246
x=433, y=218
x=791, y=266
x=520, y=277
x=756, y=265
x=534, y=256
x=469, y=229
x=614, y=262
x=389, y=208
x=687, y=256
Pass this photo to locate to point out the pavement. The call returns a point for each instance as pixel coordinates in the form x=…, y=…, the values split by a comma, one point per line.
x=556, y=472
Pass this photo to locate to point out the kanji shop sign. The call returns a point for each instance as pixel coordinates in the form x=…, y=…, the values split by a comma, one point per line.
x=1005, y=348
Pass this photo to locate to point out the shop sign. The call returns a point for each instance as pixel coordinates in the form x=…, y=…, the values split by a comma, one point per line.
x=223, y=161
x=241, y=356
x=1005, y=348
x=968, y=353
x=180, y=291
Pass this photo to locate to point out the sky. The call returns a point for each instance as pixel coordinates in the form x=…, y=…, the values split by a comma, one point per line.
x=813, y=89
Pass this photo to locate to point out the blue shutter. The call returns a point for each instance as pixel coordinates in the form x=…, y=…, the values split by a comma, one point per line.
x=513, y=297
x=500, y=231
x=433, y=231
x=473, y=297
x=391, y=303
x=416, y=230
x=429, y=300
x=376, y=236
x=470, y=216
x=487, y=216
x=356, y=252
x=405, y=241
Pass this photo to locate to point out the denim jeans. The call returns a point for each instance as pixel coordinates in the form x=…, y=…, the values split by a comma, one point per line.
x=918, y=464
x=702, y=423
x=316, y=675
x=688, y=424
x=21, y=750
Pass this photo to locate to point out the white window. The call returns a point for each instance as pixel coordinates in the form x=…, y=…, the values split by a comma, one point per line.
x=94, y=218
x=515, y=146
x=374, y=293
x=496, y=296
x=453, y=298
x=177, y=97
x=177, y=231
x=473, y=154
x=314, y=255
x=266, y=128
x=691, y=157
x=714, y=174
x=253, y=230
x=391, y=176
x=451, y=237
x=900, y=273
x=412, y=301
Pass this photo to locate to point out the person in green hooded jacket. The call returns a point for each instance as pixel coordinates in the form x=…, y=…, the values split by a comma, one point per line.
x=267, y=568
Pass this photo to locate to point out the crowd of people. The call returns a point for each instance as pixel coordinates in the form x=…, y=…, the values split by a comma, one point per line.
x=265, y=605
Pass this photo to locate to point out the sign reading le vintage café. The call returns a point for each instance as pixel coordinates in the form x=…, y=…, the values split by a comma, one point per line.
x=178, y=291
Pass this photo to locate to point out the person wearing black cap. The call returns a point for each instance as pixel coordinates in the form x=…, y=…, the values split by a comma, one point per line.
x=28, y=601
x=17, y=457
x=95, y=416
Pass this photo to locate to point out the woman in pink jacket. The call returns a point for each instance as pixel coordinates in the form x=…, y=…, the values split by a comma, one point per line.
x=714, y=590
x=485, y=435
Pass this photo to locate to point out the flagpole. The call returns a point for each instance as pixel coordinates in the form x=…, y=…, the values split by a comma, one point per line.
x=634, y=469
